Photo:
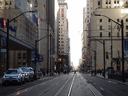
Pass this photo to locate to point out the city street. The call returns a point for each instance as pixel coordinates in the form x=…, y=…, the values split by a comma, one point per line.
x=67, y=85
x=63, y=85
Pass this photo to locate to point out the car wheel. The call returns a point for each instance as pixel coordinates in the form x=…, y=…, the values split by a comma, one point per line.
x=21, y=82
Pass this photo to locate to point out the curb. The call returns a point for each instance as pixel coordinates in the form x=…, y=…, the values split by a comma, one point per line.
x=112, y=80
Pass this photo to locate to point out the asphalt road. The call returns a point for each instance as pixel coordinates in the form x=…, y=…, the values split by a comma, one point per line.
x=107, y=87
x=63, y=85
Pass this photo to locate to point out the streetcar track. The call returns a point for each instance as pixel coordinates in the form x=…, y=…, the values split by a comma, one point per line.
x=62, y=86
x=50, y=88
x=89, y=87
x=46, y=91
x=71, y=86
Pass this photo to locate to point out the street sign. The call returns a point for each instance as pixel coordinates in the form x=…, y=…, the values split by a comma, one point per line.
x=87, y=59
x=52, y=56
x=3, y=50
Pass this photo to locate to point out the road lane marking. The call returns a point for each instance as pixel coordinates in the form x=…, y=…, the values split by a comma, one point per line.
x=62, y=87
x=101, y=88
x=71, y=86
x=109, y=81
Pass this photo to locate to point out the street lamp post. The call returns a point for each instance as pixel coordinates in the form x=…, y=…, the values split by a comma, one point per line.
x=103, y=51
x=36, y=48
x=94, y=57
x=122, y=26
x=8, y=21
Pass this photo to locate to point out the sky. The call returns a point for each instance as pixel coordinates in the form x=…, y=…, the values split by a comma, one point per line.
x=75, y=20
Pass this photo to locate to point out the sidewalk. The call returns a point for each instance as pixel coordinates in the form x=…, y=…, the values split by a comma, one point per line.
x=106, y=77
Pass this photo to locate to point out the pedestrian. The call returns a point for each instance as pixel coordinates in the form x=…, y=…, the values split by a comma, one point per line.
x=100, y=72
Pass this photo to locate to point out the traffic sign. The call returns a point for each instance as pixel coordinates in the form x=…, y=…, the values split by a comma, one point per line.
x=87, y=59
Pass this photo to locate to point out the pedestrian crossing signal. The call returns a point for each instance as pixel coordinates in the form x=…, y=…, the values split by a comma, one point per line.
x=60, y=59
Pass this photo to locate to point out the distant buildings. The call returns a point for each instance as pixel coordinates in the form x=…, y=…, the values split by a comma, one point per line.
x=100, y=27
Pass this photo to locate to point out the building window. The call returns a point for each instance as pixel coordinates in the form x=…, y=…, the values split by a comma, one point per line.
x=126, y=34
x=24, y=55
x=126, y=20
x=126, y=27
x=109, y=27
x=19, y=64
x=115, y=2
x=109, y=2
x=106, y=1
x=98, y=2
x=24, y=64
x=19, y=55
x=100, y=27
x=100, y=20
x=62, y=10
x=100, y=34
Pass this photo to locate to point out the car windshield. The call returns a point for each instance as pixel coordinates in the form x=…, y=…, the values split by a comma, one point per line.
x=13, y=72
x=25, y=69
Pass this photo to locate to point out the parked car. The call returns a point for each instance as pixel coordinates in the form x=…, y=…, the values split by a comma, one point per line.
x=29, y=73
x=13, y=76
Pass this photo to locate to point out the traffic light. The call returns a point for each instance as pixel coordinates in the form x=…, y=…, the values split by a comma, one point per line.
x=82, y=60
x=60, y=59
x=56, y=56
x=107, y=55
x=89, y=56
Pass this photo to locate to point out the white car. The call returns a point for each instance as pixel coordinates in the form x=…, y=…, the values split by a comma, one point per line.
x=13, y=76
x=29, y=73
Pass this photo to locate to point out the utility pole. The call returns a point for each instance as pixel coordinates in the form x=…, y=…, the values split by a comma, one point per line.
x=7, y=42
x=35, y=53
x=122, y=25
x=47, y=1
x=95, y=60
x=104, y=55
x=50, y=54
x=111, y=51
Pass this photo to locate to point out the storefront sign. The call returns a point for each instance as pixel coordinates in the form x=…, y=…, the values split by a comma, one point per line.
x=4, y=22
